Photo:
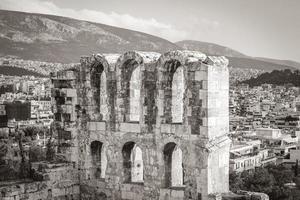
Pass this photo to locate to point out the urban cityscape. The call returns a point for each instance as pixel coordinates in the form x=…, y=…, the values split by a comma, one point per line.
x=153, y=120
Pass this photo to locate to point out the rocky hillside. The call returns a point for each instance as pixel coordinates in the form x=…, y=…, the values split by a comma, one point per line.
x=63, y=40
x=209, y=48
x=238, y=59
x=60, y=39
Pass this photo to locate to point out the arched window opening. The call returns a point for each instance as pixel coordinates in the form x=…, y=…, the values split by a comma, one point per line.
x=98, y=159
x=131, y=86
x=177, y=170
x=103, y=97
x=173, y=85
x=137, y=173
x=135, y=87
x=99, y=89
x=173, y=166
x=132, y=163
x=177, y=95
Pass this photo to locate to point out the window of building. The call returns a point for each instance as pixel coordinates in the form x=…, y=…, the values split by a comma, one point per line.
x=132, y=163
x=98, y=159
x=173, y=86
x=177, y=95
x=135, y=93
x=130, y=82
x=99, y=89
x=103, y=97
x=173, y=165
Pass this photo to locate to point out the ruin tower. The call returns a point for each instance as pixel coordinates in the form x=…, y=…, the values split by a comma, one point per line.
x=146, y=126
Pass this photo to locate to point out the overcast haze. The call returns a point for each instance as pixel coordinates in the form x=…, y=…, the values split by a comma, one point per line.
x=264, y=28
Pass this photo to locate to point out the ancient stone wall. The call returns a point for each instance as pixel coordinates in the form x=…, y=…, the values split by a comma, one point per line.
x=59, y=182
x=146, y=126
x=138, y=126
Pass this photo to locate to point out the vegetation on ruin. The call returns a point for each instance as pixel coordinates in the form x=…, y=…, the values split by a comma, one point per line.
x=22, y=169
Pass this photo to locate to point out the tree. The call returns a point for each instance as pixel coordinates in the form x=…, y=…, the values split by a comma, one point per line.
x=259, y=180
x=3, y=151
x=281, y=174
x=24, y=170
x=270, y=180
x=235, y=182
x=36, y=153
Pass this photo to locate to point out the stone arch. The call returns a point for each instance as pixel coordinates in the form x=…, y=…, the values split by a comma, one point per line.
x=136, y=83
x=173, y=166
x=98, y=159
x=132, y=162
x=98, y=82
x=172, y=69
x=129, y=74
x=177, y=169
x=171, y=82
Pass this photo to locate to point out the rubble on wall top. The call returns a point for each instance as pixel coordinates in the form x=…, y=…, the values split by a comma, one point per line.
x=189, y=56
x=111, y=58
x=186, y=56
x=217, y=60
x=149, y=57
x=194, y=56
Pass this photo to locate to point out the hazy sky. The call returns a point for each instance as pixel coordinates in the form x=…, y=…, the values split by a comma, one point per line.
x=265, y=28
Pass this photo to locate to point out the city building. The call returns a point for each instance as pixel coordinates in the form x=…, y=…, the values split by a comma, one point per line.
x=18, y=110
x=248, y=155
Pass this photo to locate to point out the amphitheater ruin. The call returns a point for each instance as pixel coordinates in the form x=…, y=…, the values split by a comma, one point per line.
x=139, y=126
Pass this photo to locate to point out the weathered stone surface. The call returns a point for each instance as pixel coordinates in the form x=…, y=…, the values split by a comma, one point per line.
x=158, y=123
x=61, y=182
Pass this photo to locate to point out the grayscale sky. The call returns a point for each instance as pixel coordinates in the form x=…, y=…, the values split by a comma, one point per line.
x=264, y=28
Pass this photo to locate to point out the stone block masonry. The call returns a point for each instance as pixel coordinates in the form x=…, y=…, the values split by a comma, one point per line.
x=145, y=126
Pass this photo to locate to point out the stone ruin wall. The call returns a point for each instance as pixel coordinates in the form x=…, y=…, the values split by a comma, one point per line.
x=140, y=126
x=151, y=118
x=59, y=182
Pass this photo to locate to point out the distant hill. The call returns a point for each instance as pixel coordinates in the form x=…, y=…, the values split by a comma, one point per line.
x=281, y=62
x=276, y=77
x=17, y=71
x=254, y=63
x=237, y=59
x=64, y=40
x=61, y=39
x=209, y=48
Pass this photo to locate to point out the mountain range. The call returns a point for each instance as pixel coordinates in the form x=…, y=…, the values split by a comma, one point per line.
x=237, y=59
x=41, y=37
